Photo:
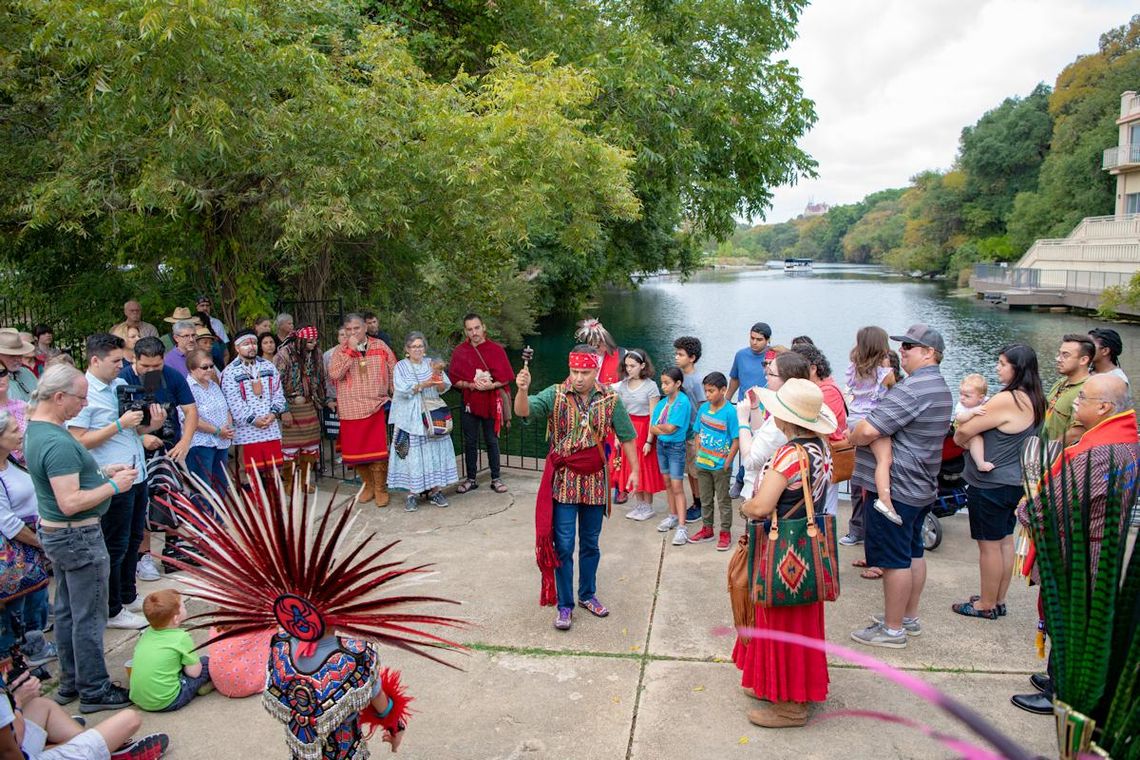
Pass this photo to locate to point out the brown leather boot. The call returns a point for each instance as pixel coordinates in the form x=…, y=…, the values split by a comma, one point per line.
x=287, y=469
x=307, y=476
x=367, y=492
x=380, y=482
x=779, y=715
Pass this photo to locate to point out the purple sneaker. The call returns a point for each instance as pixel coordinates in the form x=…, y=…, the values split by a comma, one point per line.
x=562, y=622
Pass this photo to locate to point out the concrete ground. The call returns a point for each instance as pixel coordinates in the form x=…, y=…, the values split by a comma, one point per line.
x=651, y=681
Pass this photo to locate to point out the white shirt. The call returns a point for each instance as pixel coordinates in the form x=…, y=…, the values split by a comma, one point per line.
x=765, y=440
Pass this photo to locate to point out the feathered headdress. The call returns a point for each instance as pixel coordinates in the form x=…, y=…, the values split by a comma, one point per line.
x=591, y=332
x=266, y=560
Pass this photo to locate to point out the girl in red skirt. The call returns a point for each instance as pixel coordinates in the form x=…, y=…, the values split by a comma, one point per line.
x=639, y=393
x=788, y=675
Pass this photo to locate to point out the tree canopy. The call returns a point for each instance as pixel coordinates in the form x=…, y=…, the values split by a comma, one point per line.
x=426, y=158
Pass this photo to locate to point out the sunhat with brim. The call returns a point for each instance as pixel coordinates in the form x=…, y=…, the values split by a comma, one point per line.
x=203, y=332
x=11, y=344
x=799, y=402
x=181, y=314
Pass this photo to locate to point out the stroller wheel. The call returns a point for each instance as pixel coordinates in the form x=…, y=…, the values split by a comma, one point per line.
x=931, y=532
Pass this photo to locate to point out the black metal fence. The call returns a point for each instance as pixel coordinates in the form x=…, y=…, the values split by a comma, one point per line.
x=522, y=445
x=25, y=315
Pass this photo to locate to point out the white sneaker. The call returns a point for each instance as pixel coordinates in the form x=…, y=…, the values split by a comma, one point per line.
x=681, y=537
x=667, y=524
x=642, y=512
x=127, y=620
x=135, y=606
x=147, y=570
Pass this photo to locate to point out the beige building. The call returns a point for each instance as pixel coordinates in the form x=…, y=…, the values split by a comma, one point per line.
x=1123, y=161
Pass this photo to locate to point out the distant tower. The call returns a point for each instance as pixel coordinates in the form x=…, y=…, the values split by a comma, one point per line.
x=815, y=209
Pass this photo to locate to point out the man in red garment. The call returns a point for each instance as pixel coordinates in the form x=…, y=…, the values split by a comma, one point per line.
x=480, y=369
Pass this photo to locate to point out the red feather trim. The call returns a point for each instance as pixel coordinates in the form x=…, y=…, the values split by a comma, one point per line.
x=397, y=717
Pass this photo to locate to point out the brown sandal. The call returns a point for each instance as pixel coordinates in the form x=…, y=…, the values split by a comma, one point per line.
x=465, y=486
x=498, y=486
x=872, y=573
x=859, y=563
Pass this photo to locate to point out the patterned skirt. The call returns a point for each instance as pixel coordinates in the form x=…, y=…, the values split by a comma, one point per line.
x=304, y=435
x=430, y=463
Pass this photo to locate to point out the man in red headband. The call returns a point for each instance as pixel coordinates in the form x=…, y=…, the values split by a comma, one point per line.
x=575, y=485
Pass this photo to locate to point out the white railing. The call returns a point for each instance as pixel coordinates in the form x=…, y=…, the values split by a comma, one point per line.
x=1102, y=227
x=1122, y=155
x=1131, y=106
x=1045, y=251
x=1072, y=281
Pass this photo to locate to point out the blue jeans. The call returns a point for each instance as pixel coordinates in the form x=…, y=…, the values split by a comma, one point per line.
x=209, y=464
x=123, y=526
x=588, y=519
x=28, y=613
x=188, y=687
x=82, y=569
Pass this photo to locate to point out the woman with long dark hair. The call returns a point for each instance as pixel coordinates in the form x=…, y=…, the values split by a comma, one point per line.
x=1011, y=416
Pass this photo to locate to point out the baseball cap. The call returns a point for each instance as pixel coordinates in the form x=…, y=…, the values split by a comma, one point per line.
x=922, y=335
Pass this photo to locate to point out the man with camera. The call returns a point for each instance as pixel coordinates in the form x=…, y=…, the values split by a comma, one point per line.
x=154, y=382
x=110, y=426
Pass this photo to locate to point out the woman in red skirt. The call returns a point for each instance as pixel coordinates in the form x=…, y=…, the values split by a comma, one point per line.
x=639, y=393
x=789, y=676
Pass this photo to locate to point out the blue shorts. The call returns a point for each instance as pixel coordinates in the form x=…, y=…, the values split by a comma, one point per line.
x=993, y=511
x=890, y=546
x=671, y=459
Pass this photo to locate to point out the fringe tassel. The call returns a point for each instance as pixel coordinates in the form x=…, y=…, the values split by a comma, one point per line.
x=1041, y=639
x=547, y=560
x=393, y=688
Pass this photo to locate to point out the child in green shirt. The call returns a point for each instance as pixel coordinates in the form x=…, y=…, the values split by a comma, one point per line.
x=165, y=672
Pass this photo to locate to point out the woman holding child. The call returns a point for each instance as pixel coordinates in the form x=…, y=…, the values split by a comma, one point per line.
x=1004, y=424
x=788, y=676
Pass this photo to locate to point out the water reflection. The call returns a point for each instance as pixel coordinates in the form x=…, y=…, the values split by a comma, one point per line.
x=830, y=305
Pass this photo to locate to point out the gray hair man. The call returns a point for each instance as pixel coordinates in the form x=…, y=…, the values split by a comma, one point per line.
x=185, y=335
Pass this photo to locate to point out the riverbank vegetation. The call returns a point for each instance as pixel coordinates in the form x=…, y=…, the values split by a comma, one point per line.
x=1029, y=168
x=419, y=158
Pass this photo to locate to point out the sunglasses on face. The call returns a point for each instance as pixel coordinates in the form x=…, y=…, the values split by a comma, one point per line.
x=3, y=372
x=908, y=346
x=205, y=366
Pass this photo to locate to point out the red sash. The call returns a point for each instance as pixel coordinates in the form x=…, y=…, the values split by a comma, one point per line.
x=583, y=462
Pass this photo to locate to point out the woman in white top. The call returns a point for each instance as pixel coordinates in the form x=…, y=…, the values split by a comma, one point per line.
x=639, y=393
x=27, y=616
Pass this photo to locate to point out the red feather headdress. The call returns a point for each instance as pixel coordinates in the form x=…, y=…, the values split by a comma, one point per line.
x=268, y=560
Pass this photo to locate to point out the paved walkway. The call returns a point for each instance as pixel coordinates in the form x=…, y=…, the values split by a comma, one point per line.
x=650, y=681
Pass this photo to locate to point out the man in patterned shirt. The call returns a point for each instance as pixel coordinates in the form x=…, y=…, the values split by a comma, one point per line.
x=575, y=484
x=253, y=391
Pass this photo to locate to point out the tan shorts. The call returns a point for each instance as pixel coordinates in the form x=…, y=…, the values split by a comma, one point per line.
x=691, y=447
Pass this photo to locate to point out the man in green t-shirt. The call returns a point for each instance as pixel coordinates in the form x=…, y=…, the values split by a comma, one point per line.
x=1074, y=358
x=73, y=493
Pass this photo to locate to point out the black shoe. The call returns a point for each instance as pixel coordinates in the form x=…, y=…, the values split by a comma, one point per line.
x=62, y=697
x=692, y=514
x=1036, y=703
x=1042, y=682
x=114, y=697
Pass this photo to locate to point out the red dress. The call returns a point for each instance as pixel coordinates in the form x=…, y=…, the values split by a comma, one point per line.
x=650, y=479
x=774, y=670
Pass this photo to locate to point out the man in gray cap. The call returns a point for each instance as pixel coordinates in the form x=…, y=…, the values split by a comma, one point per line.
x=21, y=380
x=915, y=413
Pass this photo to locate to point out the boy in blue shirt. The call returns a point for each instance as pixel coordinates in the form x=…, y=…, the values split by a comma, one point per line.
x=717, y=428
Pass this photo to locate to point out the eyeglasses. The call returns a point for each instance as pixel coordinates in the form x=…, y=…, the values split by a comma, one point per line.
x=771, y=374
x=75, y=395
x=908, y=346
x=1082, y=397
x=205, y=366
x=185, y=335
x=4, y=372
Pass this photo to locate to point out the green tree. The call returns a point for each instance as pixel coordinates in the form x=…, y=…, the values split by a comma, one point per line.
x=1084, y=105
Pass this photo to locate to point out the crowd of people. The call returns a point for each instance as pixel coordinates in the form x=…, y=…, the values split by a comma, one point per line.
x=76, y=448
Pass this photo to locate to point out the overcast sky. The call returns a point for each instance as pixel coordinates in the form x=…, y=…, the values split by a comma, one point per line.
x=894, y=81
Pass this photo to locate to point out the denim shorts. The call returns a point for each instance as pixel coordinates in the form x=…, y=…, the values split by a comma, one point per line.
x=671, y=459
x=993, y=511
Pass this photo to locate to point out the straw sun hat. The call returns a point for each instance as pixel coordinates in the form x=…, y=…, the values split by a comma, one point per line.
x=799, y=402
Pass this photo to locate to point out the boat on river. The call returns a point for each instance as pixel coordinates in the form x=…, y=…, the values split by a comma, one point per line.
x=797, y=266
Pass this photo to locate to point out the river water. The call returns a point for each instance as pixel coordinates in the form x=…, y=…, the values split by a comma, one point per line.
x=830, y=305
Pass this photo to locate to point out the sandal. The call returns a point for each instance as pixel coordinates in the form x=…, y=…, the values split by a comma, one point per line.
x=595, y=607
x=859, y=563
x=872, y=573
x=1002, y=610
x=465, y=486
x=969, y=610
x=498, y=486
